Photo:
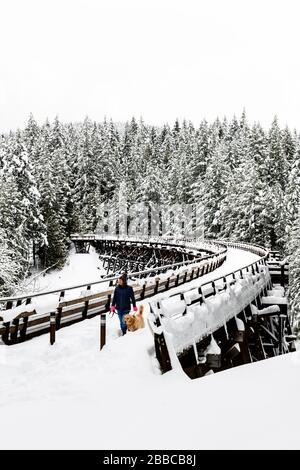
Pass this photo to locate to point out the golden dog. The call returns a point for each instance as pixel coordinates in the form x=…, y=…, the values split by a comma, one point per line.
x=135, y=322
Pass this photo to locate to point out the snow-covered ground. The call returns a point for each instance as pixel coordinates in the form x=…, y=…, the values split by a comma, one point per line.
x=73, y=396
x=80, y=268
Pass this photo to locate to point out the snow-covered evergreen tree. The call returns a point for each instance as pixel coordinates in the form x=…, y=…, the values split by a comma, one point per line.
x=214, y=190
x=55, y=177
x=11, y=268
x=276, y=162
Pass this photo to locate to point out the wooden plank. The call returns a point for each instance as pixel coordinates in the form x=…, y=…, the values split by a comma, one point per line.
x=85, y=298
x=21, y=326
x=232, y=352
x=101, y=304
x=163, y=283
x=2, y=330
x=24, y=329
x=161, y=287
x=38, y=321
x=138, y=291
x=73, y=311
x=69, y=318
x=270, y=334
x=149, y=288
x=214, y=360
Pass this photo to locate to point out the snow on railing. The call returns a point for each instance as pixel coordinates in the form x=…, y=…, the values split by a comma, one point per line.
x=187, y=324
x=203, y=319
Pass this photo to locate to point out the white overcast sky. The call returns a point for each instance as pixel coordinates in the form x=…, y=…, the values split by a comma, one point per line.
x=159, y=59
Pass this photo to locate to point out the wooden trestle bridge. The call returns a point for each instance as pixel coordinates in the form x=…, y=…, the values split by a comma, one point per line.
x=240, y=317
x=130, y=255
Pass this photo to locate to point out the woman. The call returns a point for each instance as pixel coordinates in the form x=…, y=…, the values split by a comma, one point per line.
x=123, y=296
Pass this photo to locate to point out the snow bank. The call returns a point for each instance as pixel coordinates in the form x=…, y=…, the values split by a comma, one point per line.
x=80, y=386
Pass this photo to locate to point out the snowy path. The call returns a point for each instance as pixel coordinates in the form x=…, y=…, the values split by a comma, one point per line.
x=71, y=395
x=235, y=259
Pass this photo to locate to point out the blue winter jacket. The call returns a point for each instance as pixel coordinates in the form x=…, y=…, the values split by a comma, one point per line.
x=122, y=297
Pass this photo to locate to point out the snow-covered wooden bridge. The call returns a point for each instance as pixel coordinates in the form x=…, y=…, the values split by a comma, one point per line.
x=209, y=313
x=29, y=315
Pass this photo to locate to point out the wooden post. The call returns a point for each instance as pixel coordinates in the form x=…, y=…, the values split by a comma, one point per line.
x=14, y=334
x=165, y=358
x=52, y=327
x=5, y=336
x=61, y=295
x=108, y=266
x=213, y=285
x=24, y=329
x=102, y=330
x=200, y=290
x=280, y=333
x=85, y=309
x=58, y=318
x=9, y=305
x=143, y=291
x=282, y=275
x=156, y=286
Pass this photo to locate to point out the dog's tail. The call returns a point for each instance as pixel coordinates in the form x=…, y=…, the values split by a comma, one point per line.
x=141, y=310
